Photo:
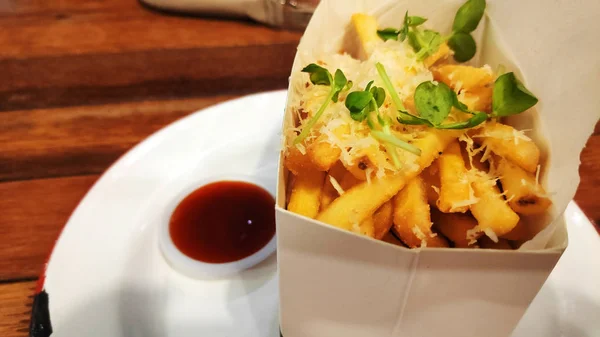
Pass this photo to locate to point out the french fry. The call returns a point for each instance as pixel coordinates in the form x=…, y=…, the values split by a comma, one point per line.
x=412, y=220
x=383, y=220
x=366, y=228
x=463, y=77
x=296, y=162
x=391, y=238
x=521, y=232
x=306, y=193
x=487, y=243
x=456, y=227
x=454, y=183
x=360, y=36
x=348, y=181
x=491, y=211
x=442, y=53
x=501, y=139
x=329, y=192
x=431, y=178
x=524, y=194
x=479, y=99
x=360, y=167
x=324, y=154
x=364, y=199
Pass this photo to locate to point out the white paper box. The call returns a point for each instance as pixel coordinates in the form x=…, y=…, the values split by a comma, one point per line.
x=335, y=283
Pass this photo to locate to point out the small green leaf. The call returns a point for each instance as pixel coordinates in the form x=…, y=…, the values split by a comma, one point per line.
x=477, y=119
x=378, y=94
x=388, y=34
x=406, y=118
x=468, y=16
x=433, y=102
x=429, y=41
x=414, y=21
x=318, y=74
x=463, y=45
x=357, y=101
x=510, y=96
x=339, y=83
x=368, y=87
x=404, y=29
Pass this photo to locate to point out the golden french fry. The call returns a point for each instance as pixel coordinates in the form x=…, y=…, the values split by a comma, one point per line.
x=482, y=166
x=479, y=99
x=306, y=193
x=524, y=194
x=366, y=228
x=442, y=53
x=296, y=162
x=391, y=238
x=360, y=36
x=412, y=220
x=324, y=154
x=457, y=227
x=454, y=183
x=521, y=232
x=348, y=181
x=463, y=77
x=431, y=178
x=491, y=211
x=329, y=192
x=383, y=220
x=360, y=167
x=506, y=142
x=487, y=243
x=364, y=199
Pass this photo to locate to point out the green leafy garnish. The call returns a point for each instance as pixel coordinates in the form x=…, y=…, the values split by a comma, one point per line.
x=510, y=96
x=426, y=42
x=322, y=76
x=362, y=105
x=466, y=20
x=434, y=103
x=400, y=34
x=463, y=45
x=468, y=16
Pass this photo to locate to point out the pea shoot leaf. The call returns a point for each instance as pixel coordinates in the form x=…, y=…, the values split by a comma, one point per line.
x=510, y=96
x=468, y=16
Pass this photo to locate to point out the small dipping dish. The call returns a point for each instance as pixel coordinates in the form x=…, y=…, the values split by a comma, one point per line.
x=219, y=228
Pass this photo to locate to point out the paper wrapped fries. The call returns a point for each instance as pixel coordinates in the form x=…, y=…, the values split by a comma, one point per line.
x=387, y=75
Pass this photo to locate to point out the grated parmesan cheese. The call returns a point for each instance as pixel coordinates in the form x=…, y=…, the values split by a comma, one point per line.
x=336, y=185
x=490, y=233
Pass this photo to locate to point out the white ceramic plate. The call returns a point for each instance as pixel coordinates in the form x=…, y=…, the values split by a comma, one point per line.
x=107, y=277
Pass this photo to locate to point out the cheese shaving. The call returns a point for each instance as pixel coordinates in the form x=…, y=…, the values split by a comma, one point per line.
x=490, y=233
x=301, y=148
x=336, y=185
x=420, y=235
x=473, y=235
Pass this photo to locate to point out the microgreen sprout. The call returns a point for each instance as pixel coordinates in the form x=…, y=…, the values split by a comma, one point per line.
x=322, y=76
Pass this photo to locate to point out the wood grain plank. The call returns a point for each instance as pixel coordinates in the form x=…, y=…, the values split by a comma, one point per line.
x=16, y=299
x=33, y=213
x=82, y=140
x=117, y=32
x=589, y=187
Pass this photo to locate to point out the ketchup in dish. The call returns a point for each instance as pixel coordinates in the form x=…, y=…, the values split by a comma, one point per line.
x=223, y=222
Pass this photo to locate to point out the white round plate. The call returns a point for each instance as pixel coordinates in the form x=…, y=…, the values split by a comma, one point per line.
x=107, y=277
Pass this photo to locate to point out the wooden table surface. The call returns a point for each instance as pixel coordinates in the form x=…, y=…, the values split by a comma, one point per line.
x=81, y=82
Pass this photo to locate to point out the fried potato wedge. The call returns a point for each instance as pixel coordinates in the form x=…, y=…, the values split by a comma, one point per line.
x=364, y=199
x=479, y=99
x=441, y=54
x=329, y=192
x=324, y=154
x=521, y=232
x=306, y=193
x=361, y=36
x=412, y=219
x=509, y=143
x=383, y=220
x=491, y=211
x=454, y=183
x=366, y=228
x=296, y=162
x=457, y=227
x=463, y=77
x=431, y=178
x=524, y=194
